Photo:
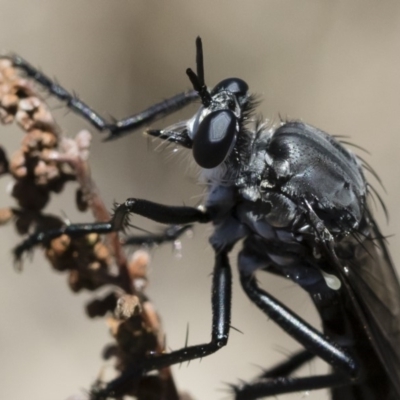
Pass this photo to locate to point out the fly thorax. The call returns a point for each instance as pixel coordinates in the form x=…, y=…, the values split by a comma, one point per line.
x=282, y=212
x=269, y=215
x=248, y=185
x=306, y=164
x=253, y=177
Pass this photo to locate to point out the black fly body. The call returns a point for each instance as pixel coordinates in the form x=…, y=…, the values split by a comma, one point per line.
x=298, y=199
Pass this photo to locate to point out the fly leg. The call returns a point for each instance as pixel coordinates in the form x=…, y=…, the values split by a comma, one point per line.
x=221, y=315
x=154, y=211
x=306, y=335
x=281, y=385
x=277, y=380
x=289, y=366
x=170, y=234
x=281, y=370
x=296, y=327
x=117, y=128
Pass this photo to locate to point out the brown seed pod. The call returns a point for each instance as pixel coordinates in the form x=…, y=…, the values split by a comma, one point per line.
x=74, y=281
x=31, y=140
x=94, y=266
x=127, y=306
x=99, y=307
x=6, y=117
x=101, y=251
x=59, y=263
x=9, y=101
x=48, y=139
x=52, y=171
x=30, y=196
x=42, y=117
x=24, y=120
x=80, y=200
x=5, y=215
x=29, y=104
x=4, y=64
x=138, y=264
x=60, y=245
x=40, y=172
x=17, y=165
x=92, y=238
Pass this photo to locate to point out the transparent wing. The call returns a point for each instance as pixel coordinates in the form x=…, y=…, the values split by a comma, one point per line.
x=376, y=286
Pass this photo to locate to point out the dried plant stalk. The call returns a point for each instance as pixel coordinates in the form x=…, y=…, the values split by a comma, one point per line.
x=41, y=166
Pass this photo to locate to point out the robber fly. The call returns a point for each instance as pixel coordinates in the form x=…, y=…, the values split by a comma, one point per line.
x=298, y=199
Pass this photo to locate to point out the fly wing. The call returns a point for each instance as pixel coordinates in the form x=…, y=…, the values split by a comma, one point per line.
x=376, y=286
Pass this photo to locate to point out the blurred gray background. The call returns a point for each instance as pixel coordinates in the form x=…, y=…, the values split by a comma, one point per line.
x=334, y=64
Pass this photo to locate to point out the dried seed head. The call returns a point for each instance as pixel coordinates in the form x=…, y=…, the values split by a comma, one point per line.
x=30, y=196
x=59, y=262
x=4, y=64
x=29, y=104
x=44, y=173
x=83, y=139
x=99, y=307
x=43, y=164
x=49, y=139
x=9, y=101
x=52, y=171
x=40, y=173
x=37, y=139
x=94, y=266
x=17, y=165
x=92, y=238
x=113, y=324
x=24, y=120
x=43, y=117
x=127, y=306
x=138, y=264
x=30, y=140
x=5, y=215
x=60, y=245
x=74, y=281
x=6, y=117
x=8, y=71
x=101, y=252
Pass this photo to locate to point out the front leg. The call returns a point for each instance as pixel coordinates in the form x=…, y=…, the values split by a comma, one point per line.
x=169, y=234
x=221, y=315
x=118, y=128
x=177, y=215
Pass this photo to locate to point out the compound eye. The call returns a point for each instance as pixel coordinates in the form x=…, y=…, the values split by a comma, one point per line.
x=214, y=139
x=234, y=85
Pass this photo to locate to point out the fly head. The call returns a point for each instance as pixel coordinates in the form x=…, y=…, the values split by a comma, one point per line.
x=215, y=128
